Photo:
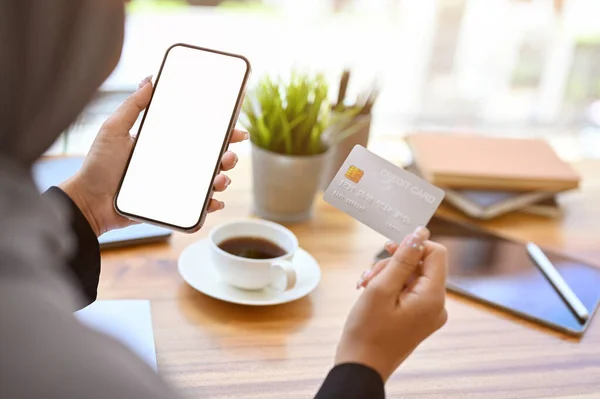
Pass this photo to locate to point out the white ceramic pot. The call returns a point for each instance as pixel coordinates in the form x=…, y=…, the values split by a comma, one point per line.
x=285, y=186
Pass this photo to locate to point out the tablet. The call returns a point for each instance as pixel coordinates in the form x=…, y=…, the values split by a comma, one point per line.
x=499, y=272
x=53, y=171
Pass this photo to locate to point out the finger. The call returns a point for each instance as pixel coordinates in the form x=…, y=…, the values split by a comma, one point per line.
x=221, y=182
x=123, y=119
x=403, y=263
x=215, y=205
x=228, y=161
x=414, y=277
x=434, y=271
x=368, y=274
x=238, y=135
x=391, y=247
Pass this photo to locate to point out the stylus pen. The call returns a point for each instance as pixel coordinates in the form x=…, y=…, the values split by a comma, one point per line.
x=561, y=286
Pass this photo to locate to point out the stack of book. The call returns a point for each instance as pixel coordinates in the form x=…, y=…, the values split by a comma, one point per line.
x=486, y=177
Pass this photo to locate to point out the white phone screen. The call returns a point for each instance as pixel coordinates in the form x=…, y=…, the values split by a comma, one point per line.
x=177, y=152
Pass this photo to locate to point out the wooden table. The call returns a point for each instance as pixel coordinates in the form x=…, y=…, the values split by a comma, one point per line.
x=212, y=349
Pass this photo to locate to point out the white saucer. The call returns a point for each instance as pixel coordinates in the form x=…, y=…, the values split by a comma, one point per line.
x=196, y=267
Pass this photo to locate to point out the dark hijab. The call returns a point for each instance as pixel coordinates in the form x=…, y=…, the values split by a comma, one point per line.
x=53, y=56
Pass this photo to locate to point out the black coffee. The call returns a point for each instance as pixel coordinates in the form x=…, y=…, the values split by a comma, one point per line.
x=252, y=248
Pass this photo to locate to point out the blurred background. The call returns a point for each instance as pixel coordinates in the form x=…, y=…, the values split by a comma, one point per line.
x=500, y=67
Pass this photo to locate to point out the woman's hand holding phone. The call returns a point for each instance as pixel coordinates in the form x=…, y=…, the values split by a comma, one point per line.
x=94, y=187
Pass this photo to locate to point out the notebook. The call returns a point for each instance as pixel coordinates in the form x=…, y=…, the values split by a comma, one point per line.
x=470, y=161
x=127, y=321
x=50, y=172
x=488, y=204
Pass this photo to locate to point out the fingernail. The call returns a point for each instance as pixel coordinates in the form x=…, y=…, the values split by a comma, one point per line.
x=145, y=81
x=222, y=204
x=246, y=135
x=362, y=279
x=416, y=243
x=423, y=232
x=227, y=181
x=417, y=239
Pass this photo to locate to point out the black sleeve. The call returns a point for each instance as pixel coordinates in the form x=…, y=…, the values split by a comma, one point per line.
x=84, y=266
x=352, y=381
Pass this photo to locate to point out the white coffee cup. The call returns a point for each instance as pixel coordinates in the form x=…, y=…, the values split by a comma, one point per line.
x=255, y=274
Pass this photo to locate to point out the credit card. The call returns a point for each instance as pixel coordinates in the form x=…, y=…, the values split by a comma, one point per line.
x=381, y=195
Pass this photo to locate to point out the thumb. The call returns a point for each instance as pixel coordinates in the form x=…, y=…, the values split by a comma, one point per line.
x=403, y=263
x=123, y=119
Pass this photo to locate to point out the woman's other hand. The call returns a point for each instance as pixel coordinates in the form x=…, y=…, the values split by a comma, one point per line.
x=93, y=188
x=403, y=303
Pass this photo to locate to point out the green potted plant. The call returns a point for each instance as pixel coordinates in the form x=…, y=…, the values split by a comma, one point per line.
x=286, y=121
x=352, y=126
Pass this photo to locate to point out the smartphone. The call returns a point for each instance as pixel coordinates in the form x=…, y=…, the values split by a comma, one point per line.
x=184, y=131
x=498, y=272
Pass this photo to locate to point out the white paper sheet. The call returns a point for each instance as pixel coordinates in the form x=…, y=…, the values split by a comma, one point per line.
x=128, y=321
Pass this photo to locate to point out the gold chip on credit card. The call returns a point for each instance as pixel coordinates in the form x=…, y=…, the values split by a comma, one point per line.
x=355, y=174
